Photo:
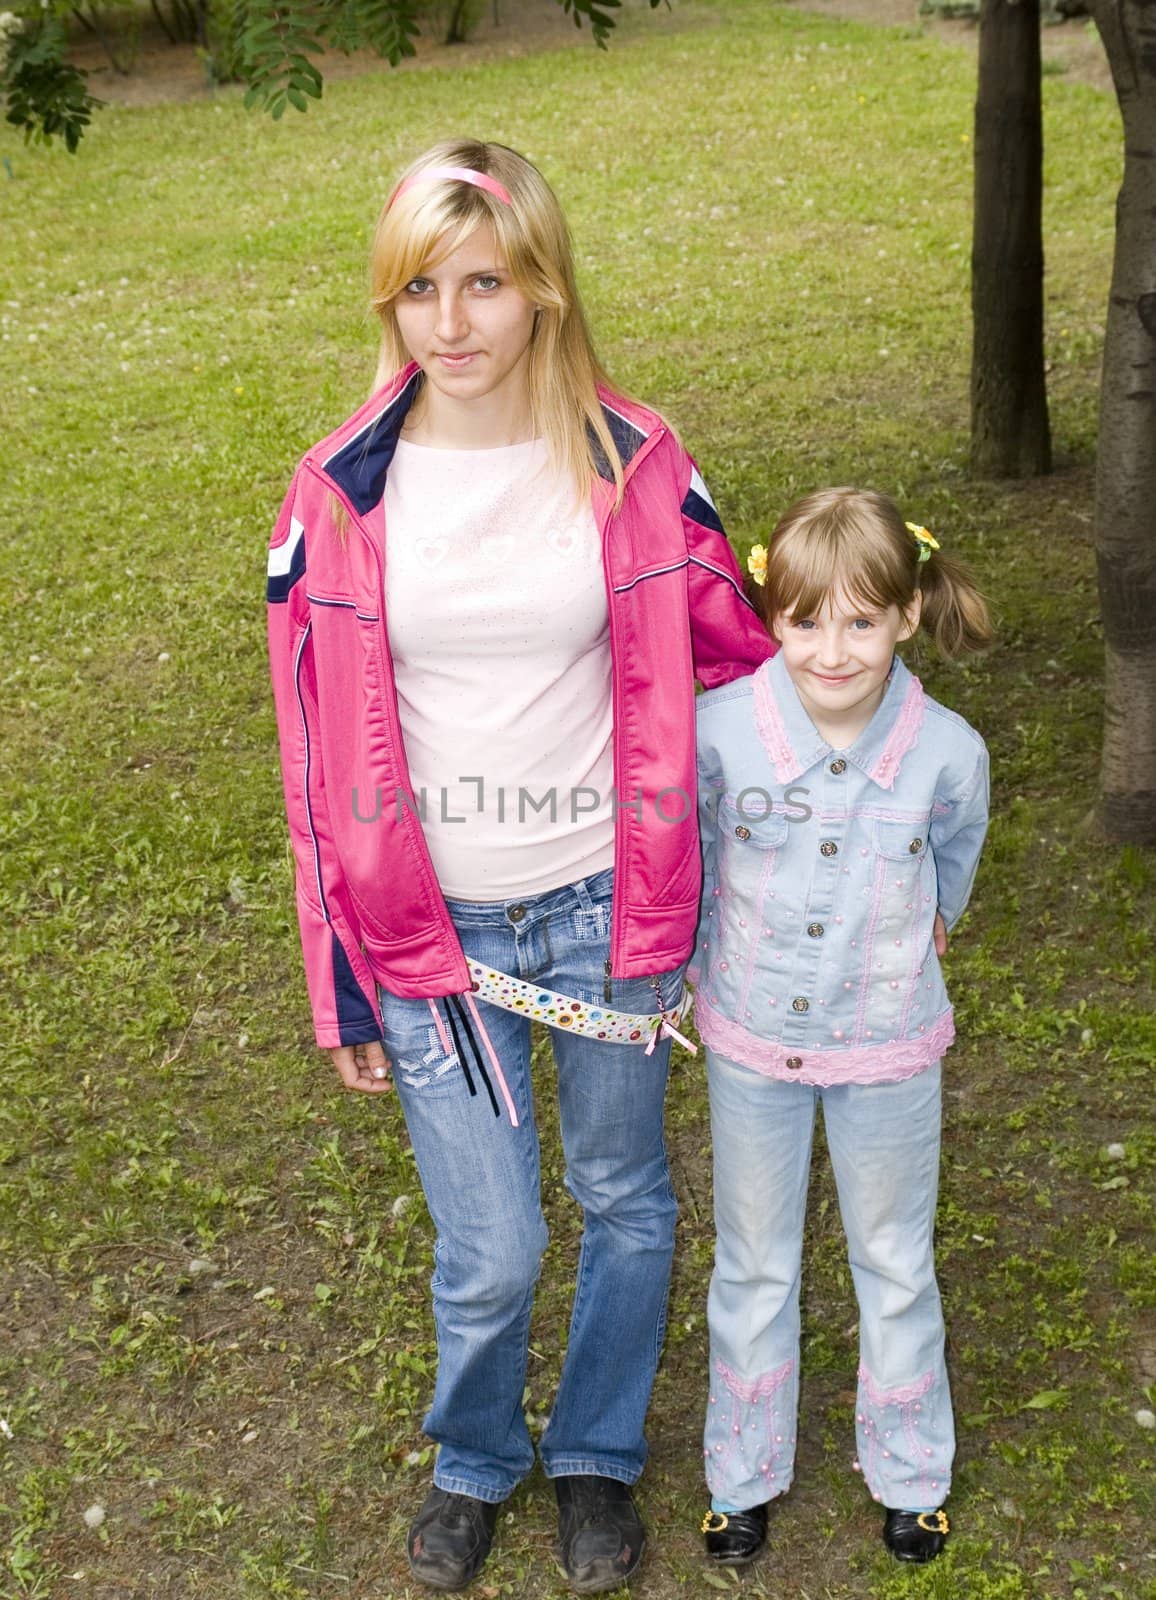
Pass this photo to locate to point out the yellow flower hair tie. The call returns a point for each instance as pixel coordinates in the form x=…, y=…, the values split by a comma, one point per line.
x=926, y=542
x=757, y=563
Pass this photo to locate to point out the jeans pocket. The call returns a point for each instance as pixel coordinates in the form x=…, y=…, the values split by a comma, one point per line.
x=422, y=1053
x=593, y=926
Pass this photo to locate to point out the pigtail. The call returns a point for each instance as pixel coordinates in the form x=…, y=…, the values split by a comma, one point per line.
x=955, y=613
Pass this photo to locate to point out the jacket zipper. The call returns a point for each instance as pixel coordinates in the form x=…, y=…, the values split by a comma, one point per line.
x=616, y=900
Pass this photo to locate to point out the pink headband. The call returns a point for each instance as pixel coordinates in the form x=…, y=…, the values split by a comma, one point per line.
x=480, y=180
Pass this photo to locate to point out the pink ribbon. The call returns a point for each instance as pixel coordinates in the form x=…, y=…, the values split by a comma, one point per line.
x=667, y=1030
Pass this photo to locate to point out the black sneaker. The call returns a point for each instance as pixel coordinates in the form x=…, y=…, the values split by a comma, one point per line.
x=450, y=1539
x=600, y=1534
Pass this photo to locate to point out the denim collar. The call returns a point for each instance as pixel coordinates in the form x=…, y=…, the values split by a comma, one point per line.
x=795, y=745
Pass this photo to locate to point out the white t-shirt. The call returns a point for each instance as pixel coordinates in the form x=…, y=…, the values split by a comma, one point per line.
x=499, y=630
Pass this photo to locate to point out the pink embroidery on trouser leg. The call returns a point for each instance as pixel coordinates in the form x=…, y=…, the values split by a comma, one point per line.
x=749, y=1439
x=906, y=1440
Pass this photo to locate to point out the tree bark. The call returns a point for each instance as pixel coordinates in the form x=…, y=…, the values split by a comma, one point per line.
x=1010, y=436
x=1125, y=518
x=162, y=22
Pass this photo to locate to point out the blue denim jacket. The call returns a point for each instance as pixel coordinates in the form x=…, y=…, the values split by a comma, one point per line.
x=824, y=869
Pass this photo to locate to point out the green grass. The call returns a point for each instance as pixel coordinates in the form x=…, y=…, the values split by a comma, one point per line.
x=216, y=1322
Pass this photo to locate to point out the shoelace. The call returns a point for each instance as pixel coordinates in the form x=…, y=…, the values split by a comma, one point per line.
x=591, y=1501
x=459, y=1508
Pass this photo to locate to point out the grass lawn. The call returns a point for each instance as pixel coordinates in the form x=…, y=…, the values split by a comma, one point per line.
x=216, y=1323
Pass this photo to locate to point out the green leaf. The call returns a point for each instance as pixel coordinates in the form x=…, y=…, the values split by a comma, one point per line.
x=1045, y=1400
x=44, y=94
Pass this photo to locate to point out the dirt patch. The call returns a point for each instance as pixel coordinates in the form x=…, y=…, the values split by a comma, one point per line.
x=163, y=73
x=1072, y=48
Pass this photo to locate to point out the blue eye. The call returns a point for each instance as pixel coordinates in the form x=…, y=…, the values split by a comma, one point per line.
x=863, y=622
x=486, y=282
x=417, y=286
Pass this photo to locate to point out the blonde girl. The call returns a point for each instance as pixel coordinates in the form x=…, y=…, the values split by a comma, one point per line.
x=491, y=591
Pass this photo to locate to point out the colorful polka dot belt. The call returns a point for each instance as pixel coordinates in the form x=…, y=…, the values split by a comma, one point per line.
x=579, y=1016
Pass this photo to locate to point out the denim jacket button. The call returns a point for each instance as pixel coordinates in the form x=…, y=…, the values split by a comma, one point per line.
x=838, y=766
x=794, y=1062
x=828, y=848
x=815, y=930
x=799, y=1004
x=742, y=833
x=915, y=846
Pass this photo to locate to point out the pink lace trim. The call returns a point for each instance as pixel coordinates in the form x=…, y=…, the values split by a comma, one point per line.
x=760, y=1388
x=902, y=737
x=894, y=1397
x=772, y=730
x=889, y=1062
x=882, y=869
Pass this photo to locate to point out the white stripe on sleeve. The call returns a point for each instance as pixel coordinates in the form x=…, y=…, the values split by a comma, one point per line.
x=281, y=556
x=701, y=489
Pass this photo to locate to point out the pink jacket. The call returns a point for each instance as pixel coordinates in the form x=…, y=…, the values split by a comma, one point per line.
x=369, y=905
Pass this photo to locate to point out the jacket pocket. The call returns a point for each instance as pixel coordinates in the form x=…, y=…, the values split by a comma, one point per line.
x=902, y=841
x=747, y=820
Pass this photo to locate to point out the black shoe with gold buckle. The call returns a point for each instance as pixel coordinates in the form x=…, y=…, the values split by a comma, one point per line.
x=733, y=1538
x=916, y=1535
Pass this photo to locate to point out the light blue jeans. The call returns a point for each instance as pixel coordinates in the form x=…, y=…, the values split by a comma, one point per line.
x=884, y=1145
x=481, y=1180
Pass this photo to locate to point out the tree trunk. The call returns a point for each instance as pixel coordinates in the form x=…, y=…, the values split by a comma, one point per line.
x=1125, y=519
x=162, y=22
x=1009, y=404
x=93, y=24
x=458, y=31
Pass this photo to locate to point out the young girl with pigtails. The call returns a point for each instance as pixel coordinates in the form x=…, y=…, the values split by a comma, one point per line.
x=843, y=812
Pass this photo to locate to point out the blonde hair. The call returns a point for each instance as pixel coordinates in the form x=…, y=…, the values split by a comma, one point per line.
x=856, y=542
x=431, y=219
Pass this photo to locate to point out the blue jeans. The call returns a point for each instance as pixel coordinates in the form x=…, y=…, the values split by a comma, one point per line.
x=884, y=1145
x=481, y=1180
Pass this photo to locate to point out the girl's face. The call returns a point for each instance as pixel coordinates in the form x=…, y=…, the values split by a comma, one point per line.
x=468, y=326
x=840, y=660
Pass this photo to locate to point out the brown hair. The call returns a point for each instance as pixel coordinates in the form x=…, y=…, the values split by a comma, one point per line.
x=431, y=219
x=856, y=541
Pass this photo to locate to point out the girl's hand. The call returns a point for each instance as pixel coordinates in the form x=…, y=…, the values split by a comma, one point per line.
x=940, y=935
x=363, y=1066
